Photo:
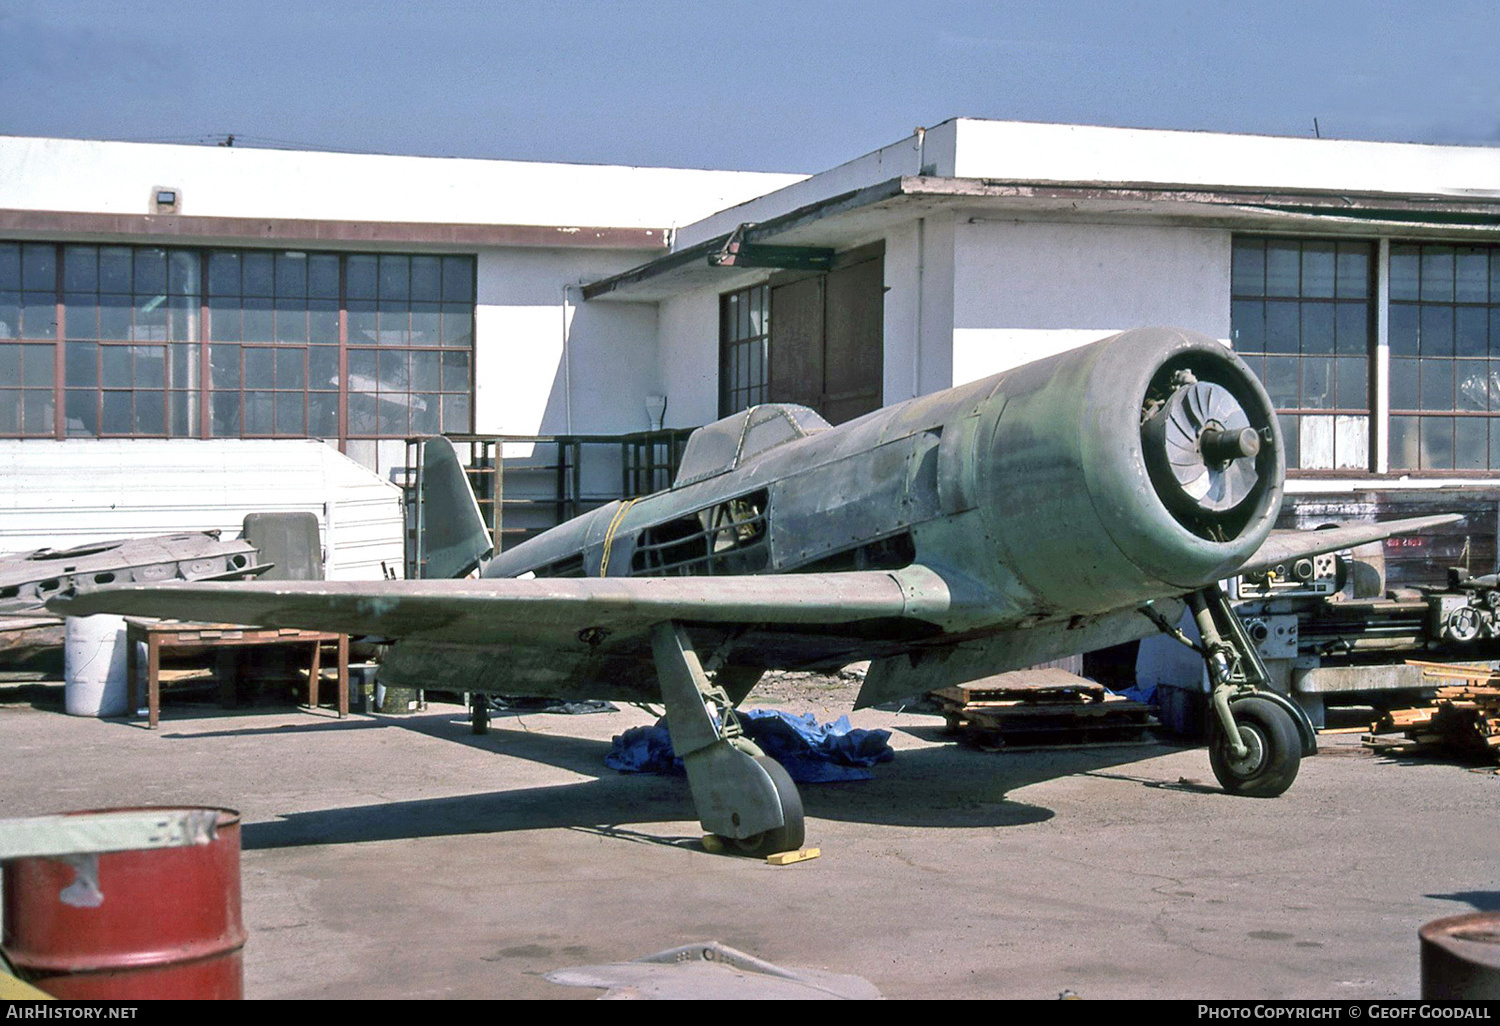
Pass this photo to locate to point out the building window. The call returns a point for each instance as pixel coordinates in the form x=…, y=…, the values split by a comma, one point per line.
x=1303, y=318
x=142, y=341
x=744, y=348
x=1445, y=357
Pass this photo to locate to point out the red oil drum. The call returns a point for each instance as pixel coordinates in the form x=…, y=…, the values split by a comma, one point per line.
x=1461, y=958
x=156, y=923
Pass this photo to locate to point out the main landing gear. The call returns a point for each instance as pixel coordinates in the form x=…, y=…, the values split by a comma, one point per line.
x=743, y=796
x=1257, y=737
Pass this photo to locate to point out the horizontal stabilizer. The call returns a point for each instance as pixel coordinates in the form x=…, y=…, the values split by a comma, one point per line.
x=1285, y=546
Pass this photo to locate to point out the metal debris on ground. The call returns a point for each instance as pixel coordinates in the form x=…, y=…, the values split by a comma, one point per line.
x=503, y=704
x=1042, y=708
x=714, y=971
x=1464, y=716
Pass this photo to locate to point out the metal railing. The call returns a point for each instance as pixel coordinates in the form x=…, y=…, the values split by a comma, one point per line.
x=562, y=476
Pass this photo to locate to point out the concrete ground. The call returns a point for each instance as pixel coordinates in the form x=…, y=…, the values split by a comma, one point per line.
x=404, y=857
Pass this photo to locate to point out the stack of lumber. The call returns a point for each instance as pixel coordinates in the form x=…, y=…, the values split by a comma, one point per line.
x=1044, y=708
x=1464, y=715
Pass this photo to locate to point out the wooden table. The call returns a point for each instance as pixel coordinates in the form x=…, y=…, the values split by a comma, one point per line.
x=172, y=636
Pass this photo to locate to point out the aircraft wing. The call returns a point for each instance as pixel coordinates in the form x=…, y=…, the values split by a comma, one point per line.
x=536, y=611
x=1284, y=546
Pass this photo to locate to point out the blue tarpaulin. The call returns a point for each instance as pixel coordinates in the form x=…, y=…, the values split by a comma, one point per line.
x=811, y=752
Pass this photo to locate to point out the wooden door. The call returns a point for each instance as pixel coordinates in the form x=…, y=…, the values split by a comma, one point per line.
x=827, y=339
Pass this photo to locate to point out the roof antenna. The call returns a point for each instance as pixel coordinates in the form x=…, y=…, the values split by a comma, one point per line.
x=1316, y=132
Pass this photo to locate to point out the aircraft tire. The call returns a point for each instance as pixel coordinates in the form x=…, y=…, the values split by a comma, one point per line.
x=788, y=836
x=1275, y=750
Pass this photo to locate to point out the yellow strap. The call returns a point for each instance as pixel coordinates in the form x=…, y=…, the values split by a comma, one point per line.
x=609, y=535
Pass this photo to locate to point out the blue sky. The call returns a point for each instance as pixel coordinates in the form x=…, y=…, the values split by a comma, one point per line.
x=797, y=86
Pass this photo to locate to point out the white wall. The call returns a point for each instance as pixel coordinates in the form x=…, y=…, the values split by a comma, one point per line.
x=118, y=178
x=520, y=373
x=1014, y=150
x=918, y=323
x=63, y=494
x=1025, y=290
x=688, y=357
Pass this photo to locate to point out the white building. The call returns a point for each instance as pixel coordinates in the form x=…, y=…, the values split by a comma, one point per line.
x=166, y=292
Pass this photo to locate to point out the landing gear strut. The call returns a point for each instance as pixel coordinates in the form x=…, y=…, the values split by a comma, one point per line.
x=742, y=796
x=1257, y=738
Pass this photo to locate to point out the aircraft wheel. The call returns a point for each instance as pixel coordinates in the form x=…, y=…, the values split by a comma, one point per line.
x=1275, y=753
x=788, y=836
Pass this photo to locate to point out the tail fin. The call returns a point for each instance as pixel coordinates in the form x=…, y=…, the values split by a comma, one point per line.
x=451, y=536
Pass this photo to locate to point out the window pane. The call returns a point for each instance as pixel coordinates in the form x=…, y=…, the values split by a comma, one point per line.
x=182, y=422
x=151, y=413
x=1437, y=330
x=81, y=363
x=1351, y=443
x=1282, y=327
x=1471, y=275
x=323, y=276
x=1471, y=438
x=291, y=371
x=363, y=324
x=10, y=412
x=10, y=315
x=395, y=324
x=10, y=366
x=150, y=271
x=1470, y=330
x=1404, y=382
x=114, y=273
x=1403, y=329
x=291, y=320
x=80, y=309
x=1404, y=453
x=426, y=414
x=322, y=368
x=1248, y=267
x=1317, y=328
x=458, y=325
x=1282, y=268
x=426, y=324
x=1437, y=384
x=257, y=321
x=224, y=419
x=1437, y=443
x=458, y=279
x=391, y=415
x=1281, y=381
x=362, y=413
x=395, y=278
x=1316, y=452
x=323, y=415
x=1473, y=386
x=426, y=279
x=259, y=368
x=223, y=274
x=289, y=419
x=456, y=413
x=1353, y=383
x=150, y=316
x=424, y=371
x=257, y=276
x=39, y=315
x=1318, y=269
x=150, y=366
x=1354, y=270
x=291, y=274
x=114, y=317
x=393, y=371
x=260, y=413
x=37, y=412
x=39, y=266
x=224, y=320
x=1353, y=329
x=1437, y=276
x=224, y=367
x=323, y=320
x=117, y=419
x=1405, y=271
x=1317, y=383
x=37, y=365
x=360, y=272
x=455, y=372
x=116, y=362
x=80, y=269
x=183, y=273
x=10, y=267
x=1248, y=317
x=81, y=412
x=362, y=369
x=1290, y=440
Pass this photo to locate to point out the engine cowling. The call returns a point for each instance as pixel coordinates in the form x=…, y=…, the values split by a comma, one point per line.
x=1147, y=462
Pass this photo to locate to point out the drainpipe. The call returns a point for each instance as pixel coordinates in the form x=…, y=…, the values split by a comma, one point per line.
x=567, y=356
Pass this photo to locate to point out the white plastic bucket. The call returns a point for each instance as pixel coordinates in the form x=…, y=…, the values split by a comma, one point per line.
x=94, y=680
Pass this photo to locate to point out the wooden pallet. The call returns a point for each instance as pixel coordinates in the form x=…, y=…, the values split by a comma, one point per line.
x=1464, y=717
x=1046, y=708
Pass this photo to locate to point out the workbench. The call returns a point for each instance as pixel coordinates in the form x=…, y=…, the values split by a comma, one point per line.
x=160, y=636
